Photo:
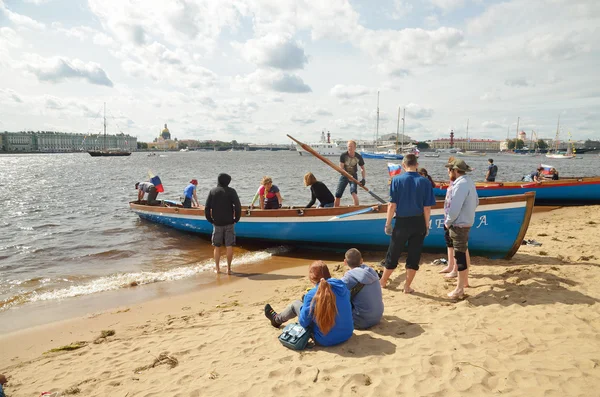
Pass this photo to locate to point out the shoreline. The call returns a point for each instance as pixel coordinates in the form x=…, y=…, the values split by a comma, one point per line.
x=527, y=327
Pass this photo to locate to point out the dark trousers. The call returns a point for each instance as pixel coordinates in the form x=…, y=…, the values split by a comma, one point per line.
x=187, y=203
x=408, y=230
x=152, y=193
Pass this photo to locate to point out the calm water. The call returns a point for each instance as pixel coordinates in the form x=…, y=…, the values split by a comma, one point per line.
x=66, y=229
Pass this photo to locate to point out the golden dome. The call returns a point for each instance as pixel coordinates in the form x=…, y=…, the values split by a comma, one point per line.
x=165, y=133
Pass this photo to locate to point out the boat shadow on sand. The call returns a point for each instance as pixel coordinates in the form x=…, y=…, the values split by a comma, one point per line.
x=530, y=280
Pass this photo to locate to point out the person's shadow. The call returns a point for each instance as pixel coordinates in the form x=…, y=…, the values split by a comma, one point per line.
x=396, y=327
x=361, y=345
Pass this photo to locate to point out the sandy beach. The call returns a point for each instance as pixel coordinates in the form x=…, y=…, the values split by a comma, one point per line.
x=529, y=326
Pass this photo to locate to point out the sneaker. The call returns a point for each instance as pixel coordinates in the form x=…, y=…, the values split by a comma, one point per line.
x=271, y=315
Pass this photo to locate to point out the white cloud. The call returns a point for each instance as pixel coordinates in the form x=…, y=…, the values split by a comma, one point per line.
x=261, y=80
x=302, y=120
x=448, y=5
x=517, y=82
x=8, y=96
x=20, y=20
x=402, y=8
x=276, y=51
x=491, y=125
x=418, y=112
x=59, y=69
x=349, y=91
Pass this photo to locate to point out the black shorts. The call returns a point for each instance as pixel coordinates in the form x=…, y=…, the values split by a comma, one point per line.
x=407, y=231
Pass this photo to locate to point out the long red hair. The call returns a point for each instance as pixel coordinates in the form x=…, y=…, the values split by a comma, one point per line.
x=322, y=307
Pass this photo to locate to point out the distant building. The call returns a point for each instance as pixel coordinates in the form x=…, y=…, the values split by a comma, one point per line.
x=57, y=142
x=164, y=141
x=482, y=145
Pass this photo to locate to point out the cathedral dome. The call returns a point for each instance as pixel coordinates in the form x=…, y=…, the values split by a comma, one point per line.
x=165, y=134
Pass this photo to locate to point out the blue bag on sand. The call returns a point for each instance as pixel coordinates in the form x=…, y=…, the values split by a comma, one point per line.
x=294, y=336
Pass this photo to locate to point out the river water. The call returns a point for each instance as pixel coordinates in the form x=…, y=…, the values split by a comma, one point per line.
x=66, y=230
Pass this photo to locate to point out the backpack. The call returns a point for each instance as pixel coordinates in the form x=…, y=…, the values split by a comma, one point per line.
x=294, y=336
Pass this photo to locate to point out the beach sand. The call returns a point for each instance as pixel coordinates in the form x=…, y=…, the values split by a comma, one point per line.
x=528, y=327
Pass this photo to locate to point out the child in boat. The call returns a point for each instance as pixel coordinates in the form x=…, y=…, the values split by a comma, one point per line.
x=423, y=172
x=270, y=198
x=318, y=191
x=325, y=309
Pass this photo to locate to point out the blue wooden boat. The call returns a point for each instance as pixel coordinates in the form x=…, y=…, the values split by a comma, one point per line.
x=566, y=191
x=381, y=156
x=500, y=225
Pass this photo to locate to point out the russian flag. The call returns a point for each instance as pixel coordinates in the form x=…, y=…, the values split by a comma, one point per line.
x=394, y=169
x=546, y=168
x=155, y=180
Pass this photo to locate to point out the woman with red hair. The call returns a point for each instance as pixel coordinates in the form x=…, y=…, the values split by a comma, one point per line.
x=326, y=308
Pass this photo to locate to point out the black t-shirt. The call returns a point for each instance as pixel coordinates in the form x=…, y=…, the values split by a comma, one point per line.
x=351, y=164
x=319, y=191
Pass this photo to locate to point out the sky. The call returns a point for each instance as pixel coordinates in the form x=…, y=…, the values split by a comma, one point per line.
x=256, y=70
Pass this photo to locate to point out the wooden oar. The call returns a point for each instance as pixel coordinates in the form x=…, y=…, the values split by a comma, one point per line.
x=335, y=167
x=358, y=212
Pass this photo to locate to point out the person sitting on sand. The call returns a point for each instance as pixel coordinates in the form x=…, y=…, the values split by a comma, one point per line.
x=318, y=191
x=270, y=198
x=423, y=172
x=365, y=291
x=325, y=308
x=3, y=381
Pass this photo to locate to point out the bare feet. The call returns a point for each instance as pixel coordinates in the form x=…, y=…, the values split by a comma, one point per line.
x=451, y=275
x=217, y=270
x=447, y=269
x=228, y=272
x=408, y=290
x=456, y=294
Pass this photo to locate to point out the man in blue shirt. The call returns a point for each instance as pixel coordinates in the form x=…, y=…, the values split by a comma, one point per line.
x=492, y=171
x=411, y=198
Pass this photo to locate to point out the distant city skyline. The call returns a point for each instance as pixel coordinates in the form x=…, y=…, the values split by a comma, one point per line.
x=255, y=70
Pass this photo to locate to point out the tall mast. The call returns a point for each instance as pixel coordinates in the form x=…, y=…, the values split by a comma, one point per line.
x=104, y=125
x=556, y=143
x=403, y=119
x=467, y=130
x=517, y=138
x=397, y=129
x=377, y=128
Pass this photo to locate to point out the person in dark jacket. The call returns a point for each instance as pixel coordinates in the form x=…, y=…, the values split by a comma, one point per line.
x=318, y=191
x=223, y=210
x=367, y=303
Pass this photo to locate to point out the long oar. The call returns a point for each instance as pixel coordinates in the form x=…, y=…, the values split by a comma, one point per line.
x=335, y=167
x=358, y=212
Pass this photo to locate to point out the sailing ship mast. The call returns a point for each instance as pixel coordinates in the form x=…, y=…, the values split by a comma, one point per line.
x=403, y=119
x=398, y=129
x=104, y=146
x=377, y=128
x=517, y=138
x=556, y=141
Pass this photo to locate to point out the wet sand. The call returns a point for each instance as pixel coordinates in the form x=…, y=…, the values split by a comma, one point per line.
x=529, y=326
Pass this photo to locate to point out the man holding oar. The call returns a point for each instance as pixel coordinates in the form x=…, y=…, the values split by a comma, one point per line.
x=411, y=198
x=350, y=161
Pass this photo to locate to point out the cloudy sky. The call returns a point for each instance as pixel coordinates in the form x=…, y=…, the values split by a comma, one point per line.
x=255, y=70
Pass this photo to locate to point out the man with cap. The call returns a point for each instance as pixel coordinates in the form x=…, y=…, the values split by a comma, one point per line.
x=411, y=198
x=223, y=210
x=147, y=187
x=459, y=215
x=189, y=195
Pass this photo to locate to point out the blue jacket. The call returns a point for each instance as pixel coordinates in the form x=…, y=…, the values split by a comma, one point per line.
x=461, y=203
x=343, y=328
x=1, y=391
x=367, y=307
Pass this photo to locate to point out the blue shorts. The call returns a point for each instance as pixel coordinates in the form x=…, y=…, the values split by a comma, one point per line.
x=342, y=183
x=328, y=205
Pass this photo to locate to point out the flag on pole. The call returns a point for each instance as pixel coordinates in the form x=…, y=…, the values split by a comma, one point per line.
x=155, y=180
x=394, y=169
x=546, y=168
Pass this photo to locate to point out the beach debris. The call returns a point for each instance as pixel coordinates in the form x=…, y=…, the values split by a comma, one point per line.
x=213, y=375
x=531, y=242
x=441, y=261
x=72, y=390
x=543, y=253
x=69, y=347
x=103, y=335
x=586, y=258
x=316, y=376
x=473, y=365
x=133, y=284
x=162, y=359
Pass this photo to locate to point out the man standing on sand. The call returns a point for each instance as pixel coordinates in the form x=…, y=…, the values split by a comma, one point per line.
x=223, y=210
x=459, y=210
x=411, y=199
x=350, y=161
x=490, y=176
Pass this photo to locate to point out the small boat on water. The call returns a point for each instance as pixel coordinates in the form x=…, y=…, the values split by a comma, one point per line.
x=108, y=152
x=324, y=147
x=470, y=153
x=432, y=155
x=566, y=191
x=500, y=225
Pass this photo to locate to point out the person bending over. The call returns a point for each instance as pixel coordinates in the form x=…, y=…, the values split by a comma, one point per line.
x=318, y=191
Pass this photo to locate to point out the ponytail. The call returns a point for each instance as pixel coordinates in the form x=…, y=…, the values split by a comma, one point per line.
x=323, y=307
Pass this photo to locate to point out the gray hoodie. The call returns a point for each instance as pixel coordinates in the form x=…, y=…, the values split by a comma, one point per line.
x=367, y=305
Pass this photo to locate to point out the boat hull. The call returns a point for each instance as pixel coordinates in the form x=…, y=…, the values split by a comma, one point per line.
x=381, y=156
x=562, y=192
x=108, y=154
x=500, y=225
